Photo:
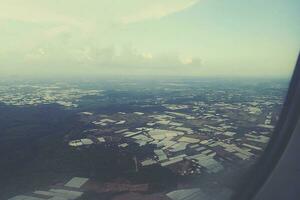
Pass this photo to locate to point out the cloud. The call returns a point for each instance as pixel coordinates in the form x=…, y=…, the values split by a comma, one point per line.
x=31, y=13
x=130, y=57
x=71, y=36
x=123, y=57
x=86, y=14
x=157, y=10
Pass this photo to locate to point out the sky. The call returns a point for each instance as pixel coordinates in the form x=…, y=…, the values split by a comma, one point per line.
x=230, y=38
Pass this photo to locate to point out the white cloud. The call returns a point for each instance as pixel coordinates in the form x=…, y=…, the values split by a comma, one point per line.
x=157, y=10
x=85, y=13
x=13, y=10
x=147, y=55
x=72, y=35
x=112, y=57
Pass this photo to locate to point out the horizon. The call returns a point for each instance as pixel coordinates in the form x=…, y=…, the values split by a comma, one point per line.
x=159, y=79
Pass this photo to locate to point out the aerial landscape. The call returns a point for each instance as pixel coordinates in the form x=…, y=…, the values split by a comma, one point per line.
x=135, y=139
x=139, y=99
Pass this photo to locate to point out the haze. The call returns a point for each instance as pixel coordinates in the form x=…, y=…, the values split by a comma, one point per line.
x=142, y=37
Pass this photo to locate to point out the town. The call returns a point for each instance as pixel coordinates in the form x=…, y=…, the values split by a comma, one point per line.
x=196, y=131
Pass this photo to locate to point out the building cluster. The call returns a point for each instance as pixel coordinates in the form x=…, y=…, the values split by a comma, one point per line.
x=25, y=95
x=193, y=129
x=71, y=190
x=78, y=186
x=200, y=135
x=197, y=193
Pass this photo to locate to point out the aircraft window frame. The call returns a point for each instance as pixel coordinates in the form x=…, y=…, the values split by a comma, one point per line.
x=285, y=126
